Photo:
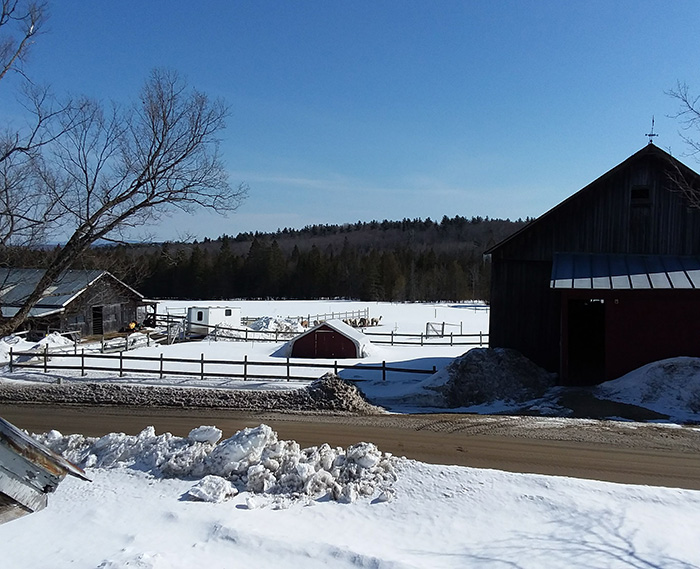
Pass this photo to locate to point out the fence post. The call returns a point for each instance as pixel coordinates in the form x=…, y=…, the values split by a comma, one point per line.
x=10, y=359
x=46, y=358
x=421, y=338
x=148, y=339
x=335, y=367
x=102, y=345
x=82, y=363
x=161, y=365
x=442, y=333
x=392, y=337
x=245, y=368
x=75, y=347
x=201, y=369
x=452, y=338
x=383, y=370
x=481, y=341
x=121, y=364
x=289, y=371
x=246, y=334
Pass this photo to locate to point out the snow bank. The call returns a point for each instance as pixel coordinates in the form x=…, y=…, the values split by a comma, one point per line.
x=328, y=393
x=487, y=375
x=671, y=387
x=252, y=460
x=18, y=344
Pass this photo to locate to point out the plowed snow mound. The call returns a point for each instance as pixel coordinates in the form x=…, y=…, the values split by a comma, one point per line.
x=329, y=393
x=485, y=375
x=252, y=460
x=669, y=386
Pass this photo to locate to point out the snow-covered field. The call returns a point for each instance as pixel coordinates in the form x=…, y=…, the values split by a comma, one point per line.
x=345, y=507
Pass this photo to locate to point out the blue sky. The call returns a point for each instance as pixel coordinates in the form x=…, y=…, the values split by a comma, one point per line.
x=347, y=111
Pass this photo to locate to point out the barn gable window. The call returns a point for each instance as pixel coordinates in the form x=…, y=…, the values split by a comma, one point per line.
x=640, y=196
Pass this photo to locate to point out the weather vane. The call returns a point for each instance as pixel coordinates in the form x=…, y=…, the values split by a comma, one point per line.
x=651, y=134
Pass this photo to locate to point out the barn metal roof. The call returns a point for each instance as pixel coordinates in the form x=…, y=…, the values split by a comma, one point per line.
x=624, y=272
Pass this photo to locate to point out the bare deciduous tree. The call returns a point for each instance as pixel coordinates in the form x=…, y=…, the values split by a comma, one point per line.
x=689, y=115
x=115, y=169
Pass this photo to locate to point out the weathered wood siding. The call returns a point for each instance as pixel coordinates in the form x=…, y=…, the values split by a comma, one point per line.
x=632, y=209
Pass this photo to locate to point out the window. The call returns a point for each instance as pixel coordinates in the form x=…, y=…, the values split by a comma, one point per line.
x=640, y=196
x=228, y=312
x=200, y=316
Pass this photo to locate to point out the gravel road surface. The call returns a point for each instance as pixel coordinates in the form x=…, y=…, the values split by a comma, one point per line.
x=635, y=453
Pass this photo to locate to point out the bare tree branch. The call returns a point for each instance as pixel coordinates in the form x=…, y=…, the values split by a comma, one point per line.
x=20, y=22
x=123, y=168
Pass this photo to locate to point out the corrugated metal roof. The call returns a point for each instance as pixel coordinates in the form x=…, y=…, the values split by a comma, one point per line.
x=624, y=272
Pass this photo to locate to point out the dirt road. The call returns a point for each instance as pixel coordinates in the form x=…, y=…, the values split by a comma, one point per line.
x=603, y=450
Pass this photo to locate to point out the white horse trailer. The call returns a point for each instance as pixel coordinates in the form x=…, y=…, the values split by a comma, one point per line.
x=203, y=319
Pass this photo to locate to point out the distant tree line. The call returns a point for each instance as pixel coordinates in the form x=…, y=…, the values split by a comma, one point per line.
x=409, y=260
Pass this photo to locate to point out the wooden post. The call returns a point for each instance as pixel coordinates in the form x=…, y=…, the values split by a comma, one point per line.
x=392, y=337
x=245, y=368
x=335, y=367
x=82, y=363
x=161, y=365
x=201, y=369
x=421, y=339
x=10, y=359
x=46, y=358
x=442, y=333
x=121, y=364
x=452, y=334
x=148, y=339
x=383, y=370
x=289, y=371
x=102, y=345
x=481, y=340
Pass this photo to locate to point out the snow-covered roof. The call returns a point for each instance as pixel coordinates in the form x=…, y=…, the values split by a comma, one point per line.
x=355, y=335
x=624, y=272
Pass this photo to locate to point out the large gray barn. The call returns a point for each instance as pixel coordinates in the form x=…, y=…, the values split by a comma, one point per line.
x=88, y=302
x=609, y=279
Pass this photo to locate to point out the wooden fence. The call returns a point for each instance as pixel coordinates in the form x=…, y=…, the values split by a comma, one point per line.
x=238, y=369
x=451, y=339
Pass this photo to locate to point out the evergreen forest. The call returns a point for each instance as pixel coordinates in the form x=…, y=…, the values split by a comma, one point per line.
x=409, y=260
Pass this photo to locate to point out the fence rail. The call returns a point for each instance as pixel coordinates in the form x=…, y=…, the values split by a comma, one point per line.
x=45, y=362
x=451, y=339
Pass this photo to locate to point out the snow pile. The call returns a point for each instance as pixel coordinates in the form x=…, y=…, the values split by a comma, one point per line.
x=18, y=344
x=54, y=340
x=329, y=393
x=487, y=375
x=276, y=324
x=253, y=460
x=671, y=387
x=15, y=343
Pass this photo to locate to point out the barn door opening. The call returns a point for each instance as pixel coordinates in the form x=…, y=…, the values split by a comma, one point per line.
x=586, y=337
x=97, y=321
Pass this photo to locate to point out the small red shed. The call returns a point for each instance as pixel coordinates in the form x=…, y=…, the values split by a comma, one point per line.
x=332, y=339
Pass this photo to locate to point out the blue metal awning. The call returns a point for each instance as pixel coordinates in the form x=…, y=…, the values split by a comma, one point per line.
x=624, y=272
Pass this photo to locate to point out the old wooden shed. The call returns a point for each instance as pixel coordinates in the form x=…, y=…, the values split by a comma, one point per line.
x=85, y=301
x=333, y=339
x=609, y=279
